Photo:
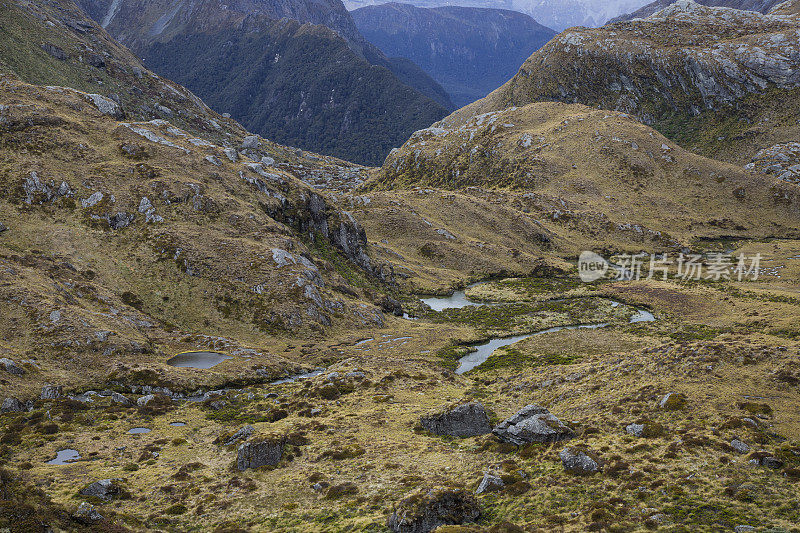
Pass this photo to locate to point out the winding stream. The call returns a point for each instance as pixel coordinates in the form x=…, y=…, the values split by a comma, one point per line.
x=482, y=352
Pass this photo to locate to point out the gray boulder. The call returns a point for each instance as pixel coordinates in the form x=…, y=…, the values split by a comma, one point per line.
x=740, y=446
x=120, y=220
x=10, y=366
x=244, y=433
x=3, y=227
x=580, y=462
x=532, y=423
x=464, y=420
x=490, y=483
x=105, y=489
x=121, y=399
x=144, y=400
x=51, y=392
x=425, y=511
x=87, y=514
x=250, y=142
x=12, y=405
x=265, y=451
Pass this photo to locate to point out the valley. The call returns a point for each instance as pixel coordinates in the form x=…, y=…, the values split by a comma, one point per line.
x=204, y=329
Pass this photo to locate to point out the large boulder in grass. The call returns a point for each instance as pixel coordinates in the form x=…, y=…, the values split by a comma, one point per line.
x=426, y=510
x=580, y=461
x=464, y=420
x=105, y=489
x=260, y=451
x=532, y=423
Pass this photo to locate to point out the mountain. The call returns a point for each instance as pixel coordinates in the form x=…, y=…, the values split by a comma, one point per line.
x=762, y=6
x=469, y=51
x=713, y=92
x=594, y=172
x=297, y=81
x=556, y=14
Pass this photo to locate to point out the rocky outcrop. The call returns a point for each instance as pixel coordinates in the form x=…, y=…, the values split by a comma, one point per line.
x=464, y=420
x=11, y=367
x=490, y=483
x=426, y=510
x=12, y=405
x=635, y=67
x=580, y=461
x=87, y=514
x=781, y=160
x=105, y=489
x=532, y=423
x=51, y=392
x=261, y=451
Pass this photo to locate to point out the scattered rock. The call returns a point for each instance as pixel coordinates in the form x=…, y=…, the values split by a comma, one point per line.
x=121, y=399
x=12, y=405
x=740, y=446
x=645, y=429
x=87, y=514
x=250, y=143
x=144, y=400
x=424, y=511
x=673, y=402
x=107, y=106
x=120, y=220
x=464, y=420
x=3, y=227
x=231, y=154
x=532, y=423
x=55, y=51
x=743, y=528
x=243, y=433
x=580, y=461
x=105, y=489
x=11, y=367
x=263, y=451
x=490, y=483
x=51, y=392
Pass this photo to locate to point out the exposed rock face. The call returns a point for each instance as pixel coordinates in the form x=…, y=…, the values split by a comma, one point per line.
x=51, y=392
x=105, y=489
x=532, y=423
x=121, y=399
x=265, y=451
x=645, y=429
x=465, y=420
x=12, y=405
x=87, y=514
x=427, y=510
x=724, y=54
x=579, y=461
x=740, y=446
x=490, y=483
x=673, y=401
x=762, y=6
x=781, y=160
x=11, y=367
x=242, y=434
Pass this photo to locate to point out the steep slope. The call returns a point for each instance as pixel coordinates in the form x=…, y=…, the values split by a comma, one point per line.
x=54, y=43
x=326, y=63
x=762, y=6
x=469, y=51
x=120, y=238
x=299, y=85
x=676, y=70
x=595, y=176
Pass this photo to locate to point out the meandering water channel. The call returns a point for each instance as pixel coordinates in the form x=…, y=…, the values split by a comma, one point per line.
x=483, y=351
